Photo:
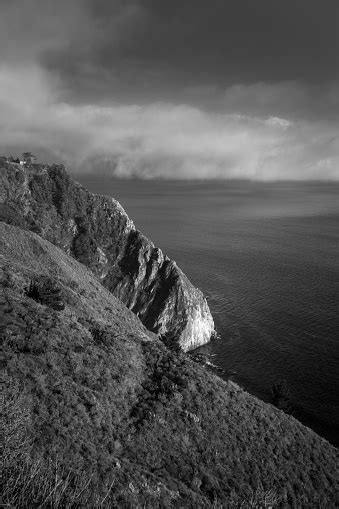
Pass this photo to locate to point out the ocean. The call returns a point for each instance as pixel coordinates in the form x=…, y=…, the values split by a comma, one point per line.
x=266, y=257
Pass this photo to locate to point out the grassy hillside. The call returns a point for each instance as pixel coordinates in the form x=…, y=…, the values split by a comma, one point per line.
x=99, y=413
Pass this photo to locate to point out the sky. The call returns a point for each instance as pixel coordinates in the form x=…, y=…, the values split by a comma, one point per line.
x=173, y=89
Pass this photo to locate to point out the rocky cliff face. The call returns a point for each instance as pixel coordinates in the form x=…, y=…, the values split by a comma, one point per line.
x=97, y=232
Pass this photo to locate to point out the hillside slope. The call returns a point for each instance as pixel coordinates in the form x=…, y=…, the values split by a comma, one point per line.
x=135, y=422
x=97, y=232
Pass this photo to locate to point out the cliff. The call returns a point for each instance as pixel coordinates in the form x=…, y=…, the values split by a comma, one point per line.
x=99, y=413
x=97, y=232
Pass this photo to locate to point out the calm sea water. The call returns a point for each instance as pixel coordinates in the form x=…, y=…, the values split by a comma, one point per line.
x=266, y=256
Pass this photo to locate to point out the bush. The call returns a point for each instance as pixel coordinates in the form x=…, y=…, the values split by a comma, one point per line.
x=46, y=291
x=281, y=397
x=30, y=480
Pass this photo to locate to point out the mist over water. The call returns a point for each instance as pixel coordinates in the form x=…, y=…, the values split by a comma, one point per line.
x=265, y=255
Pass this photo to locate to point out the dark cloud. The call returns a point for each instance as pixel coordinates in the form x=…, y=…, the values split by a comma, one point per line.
x=155, y=48
x=188, y=88
x=290, y=99
x=168, y=45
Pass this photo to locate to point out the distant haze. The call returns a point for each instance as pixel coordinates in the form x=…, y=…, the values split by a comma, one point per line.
x=180, y=89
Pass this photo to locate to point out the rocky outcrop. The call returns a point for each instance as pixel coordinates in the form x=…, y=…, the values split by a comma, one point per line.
x=97, y=232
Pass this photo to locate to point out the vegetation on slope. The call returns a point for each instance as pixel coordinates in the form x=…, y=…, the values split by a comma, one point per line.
x=108, y=416
x=96, y=231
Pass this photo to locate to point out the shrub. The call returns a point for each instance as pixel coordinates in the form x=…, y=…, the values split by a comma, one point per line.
x=46, y=291
x=281, y=396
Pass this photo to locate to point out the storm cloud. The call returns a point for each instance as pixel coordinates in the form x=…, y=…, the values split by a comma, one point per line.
x=192, y=91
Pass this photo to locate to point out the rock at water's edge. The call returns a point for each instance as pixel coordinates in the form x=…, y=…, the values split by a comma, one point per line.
x=97, y=232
